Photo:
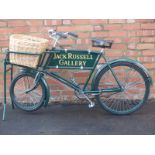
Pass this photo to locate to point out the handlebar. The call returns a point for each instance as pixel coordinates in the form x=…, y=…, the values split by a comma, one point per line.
x=73, y=34
x=52, y=33
x=56, y=36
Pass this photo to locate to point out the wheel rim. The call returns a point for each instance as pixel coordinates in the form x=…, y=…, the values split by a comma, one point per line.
x=27, y=100
x=128, y=100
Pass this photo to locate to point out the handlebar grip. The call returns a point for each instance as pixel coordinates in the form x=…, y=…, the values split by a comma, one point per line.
x=51, y=31
x=73, y=34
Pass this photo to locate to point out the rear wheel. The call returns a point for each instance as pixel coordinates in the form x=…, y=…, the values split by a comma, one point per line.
x=135, y=88
x=27, y=101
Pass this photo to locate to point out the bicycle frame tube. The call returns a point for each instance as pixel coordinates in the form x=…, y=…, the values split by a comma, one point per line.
x=92, y=71
x=71, y=84
x=117, y=89
x=62, y=80
x=76, y=87
x=113, y=73
x=107, y=90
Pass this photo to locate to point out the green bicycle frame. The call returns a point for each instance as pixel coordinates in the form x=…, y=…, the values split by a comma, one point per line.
x=62, y=59
x=79, y=60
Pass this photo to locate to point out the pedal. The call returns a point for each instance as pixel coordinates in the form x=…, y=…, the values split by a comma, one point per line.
x=91, y=105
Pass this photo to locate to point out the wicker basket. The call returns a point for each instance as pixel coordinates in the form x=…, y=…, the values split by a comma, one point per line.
x=25, y=43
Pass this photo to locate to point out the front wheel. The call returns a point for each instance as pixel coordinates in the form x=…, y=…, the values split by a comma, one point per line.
x=135, y=86
x=27, y=101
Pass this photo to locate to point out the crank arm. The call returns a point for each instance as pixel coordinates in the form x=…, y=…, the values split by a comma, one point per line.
x=91, y=104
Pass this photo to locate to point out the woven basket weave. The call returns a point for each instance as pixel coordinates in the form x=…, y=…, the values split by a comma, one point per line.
x=25, y=43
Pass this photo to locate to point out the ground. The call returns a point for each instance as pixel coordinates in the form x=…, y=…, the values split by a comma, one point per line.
x=78, y=120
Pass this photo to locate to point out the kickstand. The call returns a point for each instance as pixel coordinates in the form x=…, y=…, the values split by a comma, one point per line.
x=4, y=99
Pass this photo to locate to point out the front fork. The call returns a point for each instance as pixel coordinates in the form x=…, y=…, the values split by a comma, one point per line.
x=38, y=76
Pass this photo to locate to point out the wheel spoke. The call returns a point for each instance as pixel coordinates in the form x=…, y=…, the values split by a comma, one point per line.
x=134, y=84
x=27, y=101
x=132, y=96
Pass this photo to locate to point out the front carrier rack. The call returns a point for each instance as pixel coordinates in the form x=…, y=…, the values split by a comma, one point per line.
x=51, y=59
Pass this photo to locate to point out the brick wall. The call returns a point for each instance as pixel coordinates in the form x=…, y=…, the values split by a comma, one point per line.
x=133, y=38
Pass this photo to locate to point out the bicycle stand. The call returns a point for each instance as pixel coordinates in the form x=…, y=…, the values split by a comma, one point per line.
x=5, y=70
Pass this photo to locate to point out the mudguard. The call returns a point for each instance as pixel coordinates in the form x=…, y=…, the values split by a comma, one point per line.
x=47, y=90
x=138, y=64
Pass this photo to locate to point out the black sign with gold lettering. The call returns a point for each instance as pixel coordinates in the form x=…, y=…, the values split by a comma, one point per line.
x=72, y=59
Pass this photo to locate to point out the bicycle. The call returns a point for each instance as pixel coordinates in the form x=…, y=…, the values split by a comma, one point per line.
x=120, y=86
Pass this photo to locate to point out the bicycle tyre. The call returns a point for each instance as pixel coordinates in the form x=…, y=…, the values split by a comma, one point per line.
x=20, y=104
x=135, y=107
